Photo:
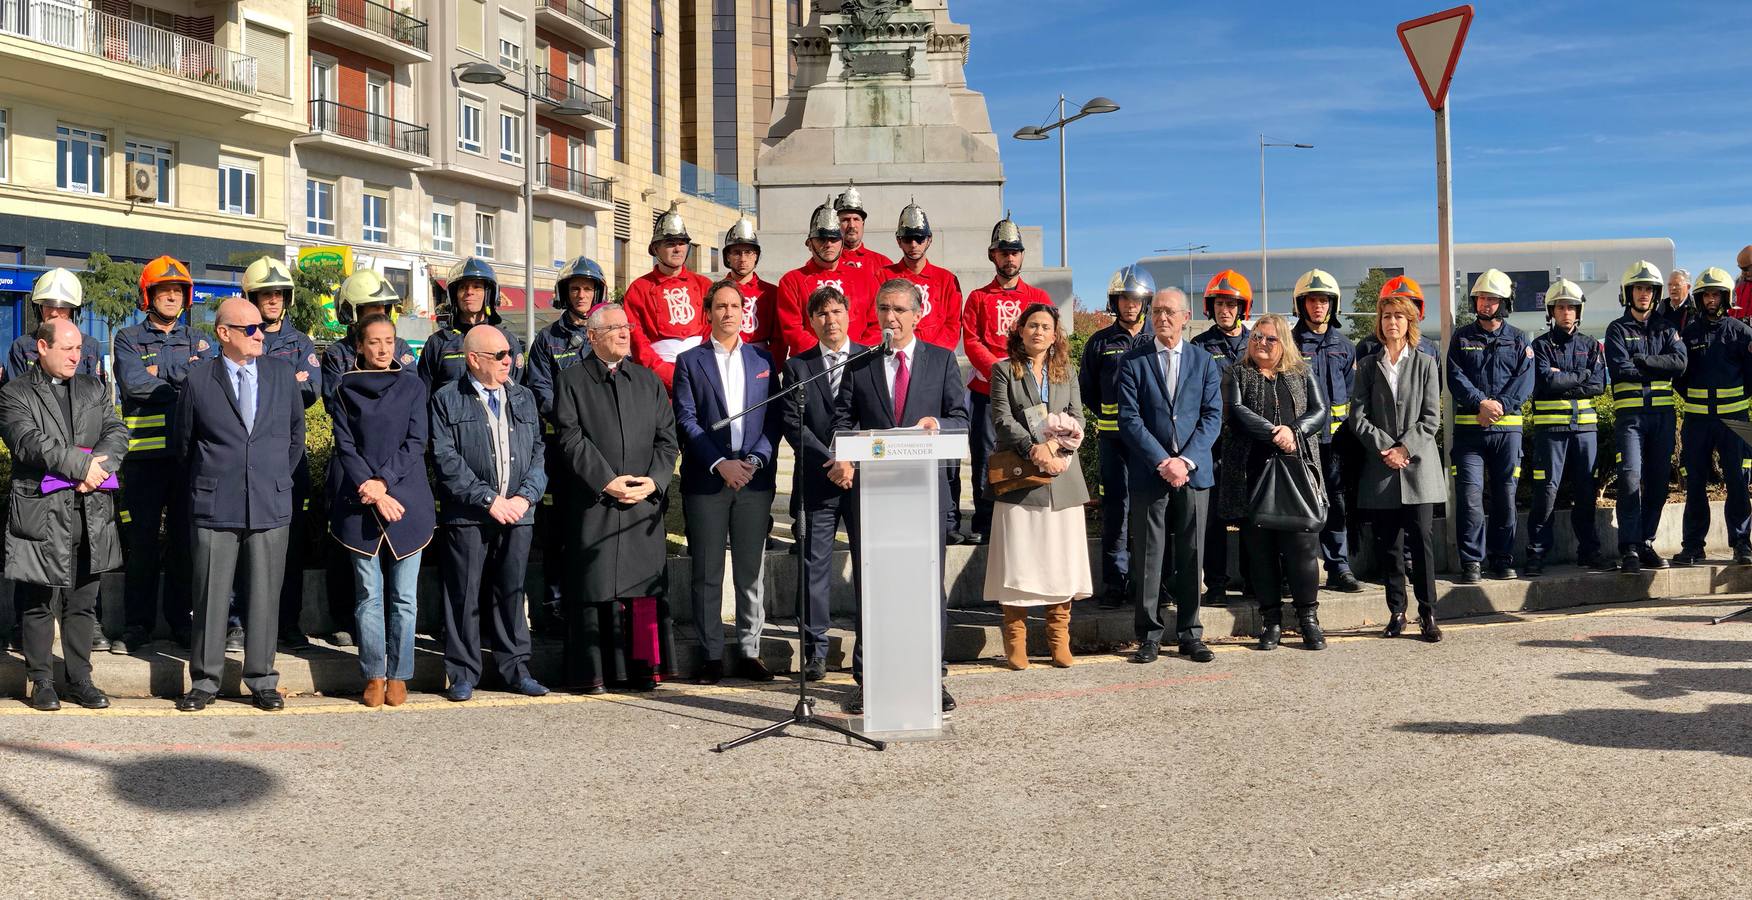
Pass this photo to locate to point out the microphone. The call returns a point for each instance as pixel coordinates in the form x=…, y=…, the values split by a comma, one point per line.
x=887, y=340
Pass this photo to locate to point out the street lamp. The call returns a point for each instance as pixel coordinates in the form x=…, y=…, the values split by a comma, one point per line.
x=1264, y=282
x=1094, y=107
x=487, y=73
x=1189, y=249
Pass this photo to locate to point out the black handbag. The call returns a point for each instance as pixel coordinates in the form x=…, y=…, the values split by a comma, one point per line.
x=1290, y=494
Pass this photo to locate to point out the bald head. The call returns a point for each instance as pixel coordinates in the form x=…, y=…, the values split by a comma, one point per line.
x=59, y=344
x=489, y=355
x=232, y=324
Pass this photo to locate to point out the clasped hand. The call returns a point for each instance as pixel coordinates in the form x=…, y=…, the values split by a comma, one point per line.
x=630, y=489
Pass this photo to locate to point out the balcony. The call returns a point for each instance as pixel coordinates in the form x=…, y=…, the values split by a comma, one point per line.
x=698, y=182
x=572, y=186
x=577, y=20
x=370, y=28
x=552, y=89
x=139, y=48
x=361, y=133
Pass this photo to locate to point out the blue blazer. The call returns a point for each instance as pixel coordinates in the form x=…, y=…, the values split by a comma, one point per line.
x=1153, y=429
x=698, y=397
x=240, y=478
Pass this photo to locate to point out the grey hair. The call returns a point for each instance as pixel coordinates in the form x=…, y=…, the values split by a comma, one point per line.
x=1682, y=274
x=902, y=286
x=1185, y=304
x=594, y=321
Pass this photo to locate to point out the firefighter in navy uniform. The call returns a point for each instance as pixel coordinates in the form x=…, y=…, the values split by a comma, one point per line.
x=1228, y=301
x=152, y=360
x=1712, y=391
x=1643, y=356
x=1569, y=373
x=1490, y=376
x=57, y=294
x=577, y=288
x=471, y=298
x=1129, y=293
x=1332, y=361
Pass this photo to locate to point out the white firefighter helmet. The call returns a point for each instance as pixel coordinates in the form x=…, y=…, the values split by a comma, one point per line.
x=850, y=201
x=59, y=288
x=364, y=288
x=1642, y=272
x=741, y=232
x=1714, y=278
x=1006, y=236
x=1565, y=292
x=266, y=274
x=670, y=227
x=1317, y=281
x=913, y=223
x=824, y=223
x=1492, y=283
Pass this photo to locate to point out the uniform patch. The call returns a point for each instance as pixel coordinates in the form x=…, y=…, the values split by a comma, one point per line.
x=407, y=359
x=312, y=359
x=1529, y=352
x=201, y=346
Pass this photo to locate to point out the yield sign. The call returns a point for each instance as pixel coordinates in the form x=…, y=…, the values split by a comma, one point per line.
x=1433, y=45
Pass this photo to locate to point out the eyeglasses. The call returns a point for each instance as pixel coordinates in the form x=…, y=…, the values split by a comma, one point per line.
x=611, y=329
x=250, y=330
x=1165, y=313
x=495, y=355
x=891, y=308
x=1265, y=339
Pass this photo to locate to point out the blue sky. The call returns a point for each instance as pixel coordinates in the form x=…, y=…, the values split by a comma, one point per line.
x=1570, y=120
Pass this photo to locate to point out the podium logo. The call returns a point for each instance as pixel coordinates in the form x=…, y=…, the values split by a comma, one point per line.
x=878, y=449
x=681, y=305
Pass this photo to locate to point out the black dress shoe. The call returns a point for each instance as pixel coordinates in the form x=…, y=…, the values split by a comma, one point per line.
x=955, y=538
x=1743, y=555
x=133, y=639
x=296, y=640
x=1214, y=597
x=1687, y=558
x=234, y=639
x=753, y=669
x=1426, y=622
x=100, y=643
x=1650, y=559
x=976, y=537
x=87, y=695
x=43, y=698
x=1395, y=626
x=595, y=690
x=268, y=701
x=1269, y=636
x=1503, y=572
x=194, y=701
x=1630, y=563
x=1469, y=573
x=815, y=670
x=1313, y=638
x=948, y=701
x=1147, y=652
x=711, y=671
x=1196, y=651
x=119, y=646
x=1344, y=581
x=854, y=703
x=1112, y=601
x=1534, y=567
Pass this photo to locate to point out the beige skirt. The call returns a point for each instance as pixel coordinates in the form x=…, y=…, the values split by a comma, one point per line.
x=1037, y=556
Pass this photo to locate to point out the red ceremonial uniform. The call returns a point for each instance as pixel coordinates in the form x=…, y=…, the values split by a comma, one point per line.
x=986, y=321
x=666, y=318
x=866, y=259
x=940, y=315
x=1742, y=308
x=794, y=290
x=760, y=317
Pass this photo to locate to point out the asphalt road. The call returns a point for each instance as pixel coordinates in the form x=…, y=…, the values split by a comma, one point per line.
x=1600, y=754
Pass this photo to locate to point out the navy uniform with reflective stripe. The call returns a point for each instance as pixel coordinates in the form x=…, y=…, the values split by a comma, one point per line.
x=1227, y=350
x=1487, y=365
x=1097, y=377
x=1712, y=390
x=1332, y=360
x=149, y=400
x=557, y=348
x=1642, y=359
x=23, y=356
x=298, y=350
x=1569, y=375
x=442, y=360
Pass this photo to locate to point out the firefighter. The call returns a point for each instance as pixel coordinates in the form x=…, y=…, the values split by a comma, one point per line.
x=1569, y=371
x=1490, y=376
x=849, y=207
x=986, y=319
x=826, y=266
x=471, y=294
x=1712, y=391
x=1129, y=293
x=1400, y=286
x=663, y=305
x=1228, y=303
x=1643, y=356
x=760, y=298
x=57, y=294
x=152, y=360
x=1332, y=360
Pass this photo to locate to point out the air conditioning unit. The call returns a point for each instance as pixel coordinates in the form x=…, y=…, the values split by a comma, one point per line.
x=143, y=182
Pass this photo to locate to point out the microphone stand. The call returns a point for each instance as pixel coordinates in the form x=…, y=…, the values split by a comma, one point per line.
x=804, y=712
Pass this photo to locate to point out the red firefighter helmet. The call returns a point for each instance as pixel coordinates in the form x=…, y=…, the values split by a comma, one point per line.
x=1232, y=285
x=165, y=270
x=1404, y=287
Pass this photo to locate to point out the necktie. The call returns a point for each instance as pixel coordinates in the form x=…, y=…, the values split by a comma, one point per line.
x=900, y=382
x=493, y=402
x=1172, y=376
x=833, y=377
x=245, y=400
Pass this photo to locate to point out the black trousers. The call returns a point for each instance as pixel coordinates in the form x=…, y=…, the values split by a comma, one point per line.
x=825, y=517
x=555, y=519
x=1275, y=555
x=154, y=494
x=490, y=559
x=78, y=621
x=982, y=438
x=1167, y=542
x=1401, y=532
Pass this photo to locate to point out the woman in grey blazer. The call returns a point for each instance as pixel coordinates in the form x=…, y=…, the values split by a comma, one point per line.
x=1039, y=554
x=1395, y=412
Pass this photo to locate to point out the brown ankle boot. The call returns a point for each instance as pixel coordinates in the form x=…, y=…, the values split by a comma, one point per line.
x=374, y=692
x=1015, y=631
x=396, y=693
x=1058, y=633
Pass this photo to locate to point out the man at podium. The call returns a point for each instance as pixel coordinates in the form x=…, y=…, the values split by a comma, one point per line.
x=914, y=384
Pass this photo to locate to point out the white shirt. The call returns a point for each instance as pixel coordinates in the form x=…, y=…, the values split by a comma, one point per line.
x=831, y=358
x=735, y=385
x=1391, y=367
x=891, y=365
x=1170, y=357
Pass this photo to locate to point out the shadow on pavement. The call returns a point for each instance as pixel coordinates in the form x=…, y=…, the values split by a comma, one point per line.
x=1654, y=647
x=1665, y=684
x=1722, y=728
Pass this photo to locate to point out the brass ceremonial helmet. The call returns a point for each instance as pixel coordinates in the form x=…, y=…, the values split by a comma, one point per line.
x=742, y=232
x=824, y=224
x=670, y=227
x=1006, y=236
x=913, y=223
x=850, y=201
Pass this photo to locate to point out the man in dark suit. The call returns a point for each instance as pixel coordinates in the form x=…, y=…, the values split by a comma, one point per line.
x=915, y=384
x=828, y=497
x=726, y=479
x=1170, y=412
x=239, y=435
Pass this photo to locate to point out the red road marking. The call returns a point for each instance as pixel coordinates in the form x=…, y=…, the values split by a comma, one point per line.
x=73, y=746
x=1105, y=689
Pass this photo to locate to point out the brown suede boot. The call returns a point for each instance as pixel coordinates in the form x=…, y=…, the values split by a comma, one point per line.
x=374, y=692
x=1015, y=633
x=1058, y=633
x=396, y=693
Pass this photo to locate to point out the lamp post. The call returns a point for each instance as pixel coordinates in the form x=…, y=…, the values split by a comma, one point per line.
x=1264, y=280
x=1094, y=107
x=1189, y=249
x=487, y=73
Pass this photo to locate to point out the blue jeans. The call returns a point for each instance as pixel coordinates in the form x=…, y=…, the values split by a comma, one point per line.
x=396, y=641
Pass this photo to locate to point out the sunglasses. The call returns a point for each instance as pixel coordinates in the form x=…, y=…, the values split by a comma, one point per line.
x=495, y=355
x=248, y=330
x=1265, y=339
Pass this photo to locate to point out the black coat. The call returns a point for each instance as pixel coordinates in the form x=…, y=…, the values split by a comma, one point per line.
x=39, y=529
x=380, y=432
x=240, y=478
x=608, y=426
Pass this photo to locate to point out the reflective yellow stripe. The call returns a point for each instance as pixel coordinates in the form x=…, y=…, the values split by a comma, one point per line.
x=1106, y=426
x=1718, y=393
x=547, y=499
x=307, y=506
x=1340, y=410
x=1538, y=474
x=1514, y=420
x=1704, y=409
x=151, y=443
x=1517, y=473
x=127, y=517
x=145, y=421
x=1585, y=403
x=1110, y=409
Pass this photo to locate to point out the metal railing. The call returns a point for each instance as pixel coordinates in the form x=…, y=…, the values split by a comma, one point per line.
x=375, y=18
x=554, y=88
x=560, y=178
x=701, y=183
x=330, y=117
x=83, y=30
x=583, y=13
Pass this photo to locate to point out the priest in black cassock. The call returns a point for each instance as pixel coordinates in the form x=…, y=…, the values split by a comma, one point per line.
x=616, y=430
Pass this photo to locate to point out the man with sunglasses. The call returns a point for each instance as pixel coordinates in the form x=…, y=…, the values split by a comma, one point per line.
x=239, y=435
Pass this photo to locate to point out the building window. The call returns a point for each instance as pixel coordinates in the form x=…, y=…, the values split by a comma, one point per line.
x=269, y=47
x=374, y=219
x=510, y=42
x=443, y=228
x=623, y=260
x=543, y=235
x=471, y=26
x=620, y=81
x=159, y=156
x=724, y=158
x=510, y=136
x=80, y=158
x=238, y=179
x=468, y=124
x=319, y=207
x=5, y=145
x=486, y=232
x=657, y=86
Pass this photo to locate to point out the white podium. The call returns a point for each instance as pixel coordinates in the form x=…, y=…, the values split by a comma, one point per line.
x=900, y=539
